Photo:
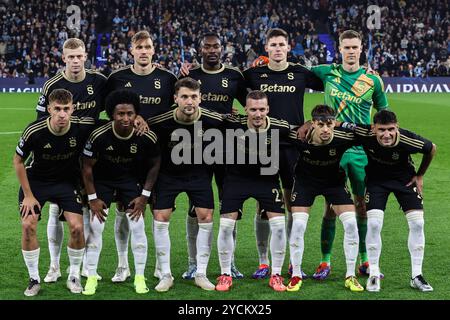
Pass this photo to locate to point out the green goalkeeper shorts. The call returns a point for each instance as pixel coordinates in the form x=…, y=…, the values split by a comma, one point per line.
x=354, y=164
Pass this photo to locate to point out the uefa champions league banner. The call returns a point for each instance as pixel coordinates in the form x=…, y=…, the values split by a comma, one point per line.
x=10, y=85
x=391, y=85
x=416, y=85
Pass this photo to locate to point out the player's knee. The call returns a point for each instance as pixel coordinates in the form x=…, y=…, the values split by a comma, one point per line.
x=77, y=231
x=29, y=230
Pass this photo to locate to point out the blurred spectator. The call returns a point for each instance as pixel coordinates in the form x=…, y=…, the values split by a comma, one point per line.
x=413, y=39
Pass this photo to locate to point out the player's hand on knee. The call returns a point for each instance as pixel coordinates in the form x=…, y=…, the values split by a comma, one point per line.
x=418, y=181
x=140, y=125
x=28, y=205
x=137, y=206
x=98, y=209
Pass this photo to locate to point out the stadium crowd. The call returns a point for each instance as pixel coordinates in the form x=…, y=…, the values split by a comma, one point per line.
x=413, y=40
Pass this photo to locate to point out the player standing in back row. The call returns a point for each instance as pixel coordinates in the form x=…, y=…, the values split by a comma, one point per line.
x=351, y=92
x=88, y=89
x=220, y=85
x=155, y=87
x=285, y=84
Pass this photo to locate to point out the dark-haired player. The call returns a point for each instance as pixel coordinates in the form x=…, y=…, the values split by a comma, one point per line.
x=111, y=162
x=180, y=172
x=285, y=84
x=317, y=172
x=391, y=170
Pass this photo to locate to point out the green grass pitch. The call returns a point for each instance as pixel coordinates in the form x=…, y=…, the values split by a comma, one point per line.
x=426, y=114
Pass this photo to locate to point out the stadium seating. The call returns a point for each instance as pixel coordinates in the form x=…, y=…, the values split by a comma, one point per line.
x=412, y=42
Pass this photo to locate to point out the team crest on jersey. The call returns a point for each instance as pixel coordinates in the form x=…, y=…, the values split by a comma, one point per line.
x=90, y=89
x=157, y=84
x=88, y=145
x=332, y=152
x=73, y=142
x=395, y=156
x=362, y=85
x=21, y=143
x=225, y=82
x=290, y=76
x=133, y=148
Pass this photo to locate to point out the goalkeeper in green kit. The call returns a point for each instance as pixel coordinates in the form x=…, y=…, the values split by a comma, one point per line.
x=352, y=92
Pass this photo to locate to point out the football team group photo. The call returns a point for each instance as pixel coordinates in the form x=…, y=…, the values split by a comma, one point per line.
x=244, y=150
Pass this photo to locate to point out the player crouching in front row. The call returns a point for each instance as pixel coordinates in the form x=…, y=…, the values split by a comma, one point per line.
x=390, y=169
x=318, y=173
x=110, y=164
x=55, y=143
x=260, y=136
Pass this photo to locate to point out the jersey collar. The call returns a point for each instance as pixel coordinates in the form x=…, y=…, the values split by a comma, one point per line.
x=73, y=81
x=139, y=74
x=186, y=123
x=252, y=130
x=287, y=66
x=310, y=140
x=215, y=71
x=119, y=136
x=57, y=133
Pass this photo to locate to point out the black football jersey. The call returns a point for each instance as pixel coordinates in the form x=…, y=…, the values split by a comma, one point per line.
x=319, y=164
x=252, y=152
x=391, y=162
x=155, y=90
x=285, y=89
x=88, y=94
x=118, y=158
x=184, y=140
x=219, y=88
x=54, y=156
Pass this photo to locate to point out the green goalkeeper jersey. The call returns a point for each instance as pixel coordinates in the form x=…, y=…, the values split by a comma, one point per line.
x=351, y=95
